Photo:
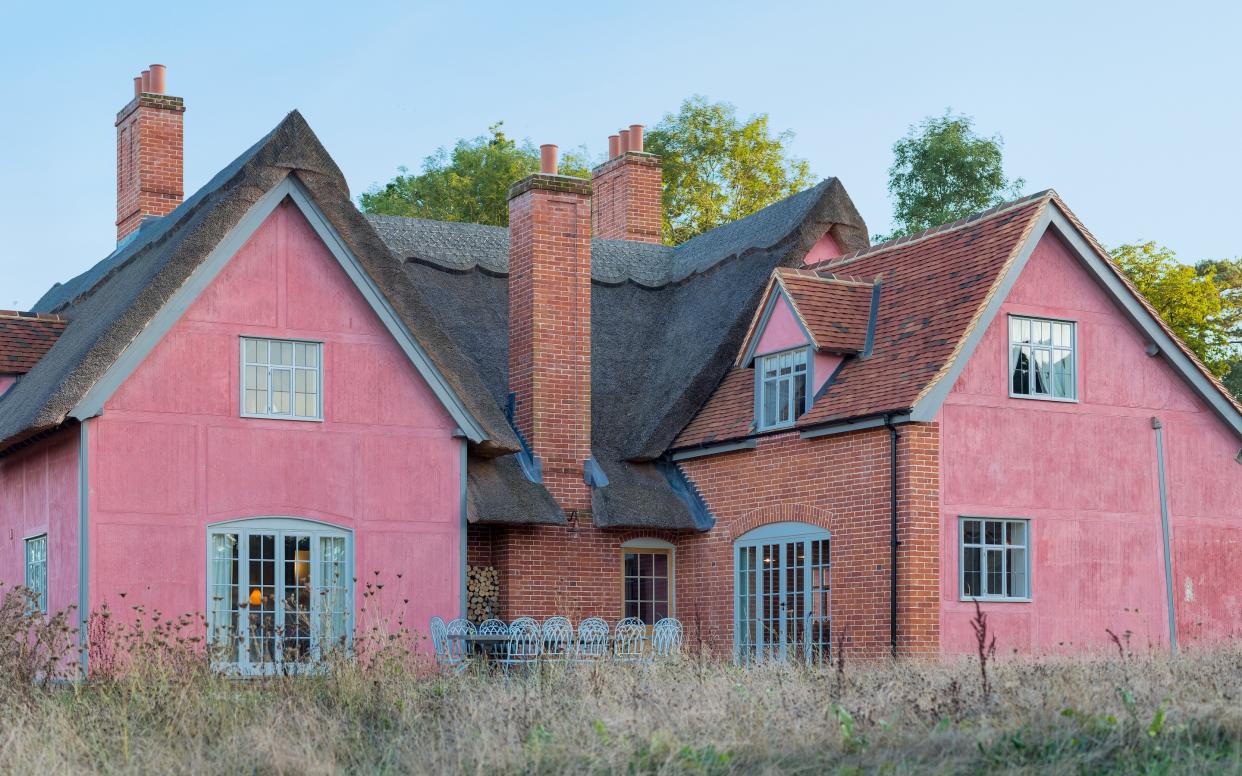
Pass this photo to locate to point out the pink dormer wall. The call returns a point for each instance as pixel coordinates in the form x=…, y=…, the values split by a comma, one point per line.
x=171, y=455
x=782, y=331
x=1085, y=475
x=824, y=248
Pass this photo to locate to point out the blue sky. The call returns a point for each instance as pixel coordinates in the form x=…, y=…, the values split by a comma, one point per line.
x=1132, y=112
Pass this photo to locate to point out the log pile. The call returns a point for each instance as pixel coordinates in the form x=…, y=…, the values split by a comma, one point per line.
x=482, y=593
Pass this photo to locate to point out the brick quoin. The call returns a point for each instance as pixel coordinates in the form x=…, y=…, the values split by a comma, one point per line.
x=150, y=151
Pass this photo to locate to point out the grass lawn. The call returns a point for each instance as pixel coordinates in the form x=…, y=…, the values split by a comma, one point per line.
x=1102, y=714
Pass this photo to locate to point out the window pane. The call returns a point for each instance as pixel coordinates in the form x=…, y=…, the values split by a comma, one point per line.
x=1063, y=374
x=992, y=532
x=1015, y=533
x=1021, y=370
x=251, y=351
x=769, y=365
x=782, y=402
x=222, y=594
x=993, y=571
x=970, y=531
x=1043, y=371
x=661, y=565
x=1016, y=561
x=645, y=563
x=631, y=564
x=769, y=402
x=260, y=350
x=799, y=399
x=282, y=353
x=971, y=578
x=281, y=391
x=334, y=580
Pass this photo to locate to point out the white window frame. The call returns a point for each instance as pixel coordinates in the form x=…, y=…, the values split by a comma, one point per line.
x=280, y=527
x=1050, y=349
x=649, y=546
x=785, y=385
x=35, y=579
x=984, y=547
x=292, y=368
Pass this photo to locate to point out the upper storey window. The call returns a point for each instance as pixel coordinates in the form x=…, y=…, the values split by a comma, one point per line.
x=781, y=381
x=1042, y=359
x=282, y=379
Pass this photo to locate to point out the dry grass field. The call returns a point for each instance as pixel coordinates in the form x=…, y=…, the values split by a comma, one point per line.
x=166, y=712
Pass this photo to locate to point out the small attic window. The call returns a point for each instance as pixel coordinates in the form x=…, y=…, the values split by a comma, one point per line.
x=780, y=388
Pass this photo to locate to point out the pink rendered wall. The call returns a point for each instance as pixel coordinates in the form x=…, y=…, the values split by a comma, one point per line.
x=1085, y=474
x=170, y=454
x=825, y=248
x=39, y=494
x=6, y=382
x=783, y=331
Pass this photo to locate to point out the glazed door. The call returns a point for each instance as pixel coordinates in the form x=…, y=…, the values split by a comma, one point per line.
x=782, y=607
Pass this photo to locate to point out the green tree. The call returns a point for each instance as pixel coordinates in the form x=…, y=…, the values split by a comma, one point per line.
x=1190, y=301
x=719, y=168
x=943, y=171
x=470, y=183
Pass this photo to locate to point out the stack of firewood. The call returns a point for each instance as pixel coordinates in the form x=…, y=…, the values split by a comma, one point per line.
x=482, y=592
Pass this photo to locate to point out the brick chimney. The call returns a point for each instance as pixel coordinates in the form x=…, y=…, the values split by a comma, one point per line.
x=627, y=190
x=550, y=324
x=149, y=153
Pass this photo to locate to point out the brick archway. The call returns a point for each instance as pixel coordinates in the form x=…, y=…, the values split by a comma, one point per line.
x=781, y=513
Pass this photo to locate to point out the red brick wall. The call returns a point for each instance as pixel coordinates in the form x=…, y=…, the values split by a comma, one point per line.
x=573, y=571
x=150, y=150
x=550, y=327
x=627, y=198
x=836, y=482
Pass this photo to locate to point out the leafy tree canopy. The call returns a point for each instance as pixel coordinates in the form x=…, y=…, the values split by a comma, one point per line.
x=470, y=183
x=719, y=168
x=1191, y=300
x=943, y=171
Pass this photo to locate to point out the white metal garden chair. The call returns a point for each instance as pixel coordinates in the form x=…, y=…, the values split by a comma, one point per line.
x=524, y=621
x=629, y=643
x=524, y=646
x=592, y=640
x=666, y=638
x=494, y=627
x=558, y=638
x=439, y=640
x=458, y=649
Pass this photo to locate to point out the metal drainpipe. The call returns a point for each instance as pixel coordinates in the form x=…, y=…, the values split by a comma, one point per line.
x=1164, y=525
x=892, y=562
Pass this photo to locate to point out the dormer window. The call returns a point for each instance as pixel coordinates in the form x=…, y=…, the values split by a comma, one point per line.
x=781, y=388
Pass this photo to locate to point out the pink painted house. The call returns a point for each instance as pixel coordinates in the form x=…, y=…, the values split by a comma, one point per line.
x=300, y=420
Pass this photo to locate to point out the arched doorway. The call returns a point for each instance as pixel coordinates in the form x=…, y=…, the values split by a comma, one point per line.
x=782, y=593
x=279, y=593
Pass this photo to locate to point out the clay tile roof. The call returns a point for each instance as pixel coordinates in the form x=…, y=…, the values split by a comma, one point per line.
x=934, y=288
x=727, y=415
x=835, y=310
x=24, y=338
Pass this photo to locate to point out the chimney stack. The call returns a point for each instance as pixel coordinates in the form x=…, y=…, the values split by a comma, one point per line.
x=627, y=187
x=150, y=150
x=550, y=324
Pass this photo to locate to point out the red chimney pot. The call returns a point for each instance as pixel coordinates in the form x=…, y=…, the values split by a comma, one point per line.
x=146, y=80
x=137, y=85
x=547, y=159
x=625, y=140
x=614, y=146
x=157, y=78
x=636, y=137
